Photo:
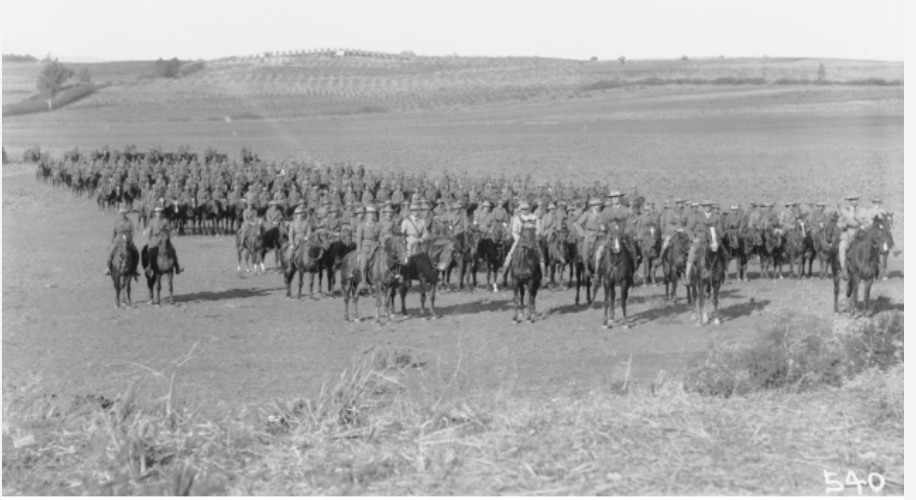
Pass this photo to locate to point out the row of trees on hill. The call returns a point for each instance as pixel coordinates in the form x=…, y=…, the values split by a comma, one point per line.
x=19, y=58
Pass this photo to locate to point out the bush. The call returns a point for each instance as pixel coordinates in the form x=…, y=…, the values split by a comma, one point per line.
x=799, y=356
x=167, y=69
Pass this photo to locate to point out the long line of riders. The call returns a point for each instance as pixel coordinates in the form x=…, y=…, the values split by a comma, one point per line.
x=470, y=222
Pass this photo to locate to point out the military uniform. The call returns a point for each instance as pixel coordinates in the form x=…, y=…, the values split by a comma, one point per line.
x=697, y=226
x=274, y=215
x=850, y=220
x=588, y=226
x=520, y=221
x=159, y=232
x=368, y=235
x=124, y=228
x=414, y=228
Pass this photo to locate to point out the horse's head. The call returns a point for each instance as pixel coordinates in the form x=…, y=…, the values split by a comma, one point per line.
x=713, y=238
x=879, y=236
x=396, y=248
x=445, y=251
x=801, y=226
x=613, y=239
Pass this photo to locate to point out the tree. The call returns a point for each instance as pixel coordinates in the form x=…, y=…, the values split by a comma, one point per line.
x=52, y=77
x=84, y=76
x=622, y=60
x=168, y=69
x=821, y=73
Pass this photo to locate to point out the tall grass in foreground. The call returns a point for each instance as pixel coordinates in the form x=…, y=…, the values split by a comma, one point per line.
x=389, y=425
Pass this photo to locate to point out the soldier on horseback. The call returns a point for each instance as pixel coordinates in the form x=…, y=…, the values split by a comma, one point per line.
x=525, y=219
x=550, y=222
x=414, y=228
x=123, y=228
x=851, y=219
x=367, y=241
x=299, y=230
x=697, y=223
x=615, y=213
x=159, y=230
x=274, y=215
x=588, y=226
x=672, y=221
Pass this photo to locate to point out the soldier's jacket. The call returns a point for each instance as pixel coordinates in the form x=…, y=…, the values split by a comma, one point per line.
x=697, y=223
x=274, y=216
x=852, y=218
x=159, y=230
x=643, y=221
x=550, y=222
x=367, y=197
x=293, y=198
x=771, y=219
x=388, y=226
x=125, y=227
x=263, y=199
x=787, y=218
x=816, y=218
x=249, y=214
x=614, y=215
x=368, y=234
x=382, y=195
x=415, y=229
x=498, y=215
x=299, y=229
x=397, y=197
x=734, y=220
x=460, y=221
x=332, y=224
x=589, y=222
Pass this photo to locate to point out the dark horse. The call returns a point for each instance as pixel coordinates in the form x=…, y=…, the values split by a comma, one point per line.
x=162, y=263
x=800, y=247
x=674, y=264
x=492, y=250
x=771, y=254
x=559, y=252
x=617, y=270
x=275, y=238
x=736, y=247
x=419, y=267
x=863, y=263
x=383, y=274
x=466, y=257
x=525, y=271
x=123, y=267
x=442, y=253
x=650, y=245
x=307, y=256
x=886, y=223
x=708, y=274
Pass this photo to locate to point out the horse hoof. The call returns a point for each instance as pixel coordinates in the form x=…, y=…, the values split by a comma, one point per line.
x=884, y=278
x=625, y=326
x=717, y=321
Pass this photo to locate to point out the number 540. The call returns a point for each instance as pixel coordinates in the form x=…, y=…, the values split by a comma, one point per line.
x=875, y=481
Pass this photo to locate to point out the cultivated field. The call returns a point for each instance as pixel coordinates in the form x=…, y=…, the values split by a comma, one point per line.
x=467, y=403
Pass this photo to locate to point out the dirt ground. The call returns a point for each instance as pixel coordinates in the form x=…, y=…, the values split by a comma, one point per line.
x=59, y=322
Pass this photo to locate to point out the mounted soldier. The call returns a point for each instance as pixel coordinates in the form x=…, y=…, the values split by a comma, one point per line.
x=415, y=229
x=124, y=227
x=588, y=227
x=159, y=231
x=299, y=230
x=274, y=216
x=525, y=219
x=852, y=217
x=697, y=222
x=615, y=214
x=367, y=239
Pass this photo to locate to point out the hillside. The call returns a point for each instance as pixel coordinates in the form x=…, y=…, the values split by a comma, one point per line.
x=313, y=84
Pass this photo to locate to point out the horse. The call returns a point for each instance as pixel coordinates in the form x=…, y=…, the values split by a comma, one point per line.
x=206, y=217
x=442, y=252
x=383, y=272
x=525, y=270
x=736, y=247
x=162, y=265
x=674, y=264
x=122, y=268
x=707, y=275
x=887, y=223
x=751, y=244
x=650, y=246
x=250, y=244
x=419, y=267
x=275, y=238
x=863, y=263
x=307, y=257
x=616, y=270
x=467, y=243
x=332, y=259
x=800, y=246
x=772, y=251
x=492, y=250
x=584, y=268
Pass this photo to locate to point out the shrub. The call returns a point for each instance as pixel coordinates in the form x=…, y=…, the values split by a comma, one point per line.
x=799, y=356
x=52, y=78
x=167, y=69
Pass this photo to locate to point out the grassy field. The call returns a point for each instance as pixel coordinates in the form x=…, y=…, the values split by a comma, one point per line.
x=237, y=390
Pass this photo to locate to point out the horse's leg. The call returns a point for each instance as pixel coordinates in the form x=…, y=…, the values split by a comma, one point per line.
x=515, y=300
x=345, y=291
x=607, y=306
x=403, y=293
x=301, y=272
x=532, y=302
x=432, y=303
x=127, y=289
x=867, y=296
x=171, y=278
x=378, y=302
x=852, y=292
x=117, y=287
x=578, y=280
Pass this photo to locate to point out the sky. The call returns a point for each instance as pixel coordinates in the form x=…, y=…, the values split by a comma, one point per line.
x=573, y=29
